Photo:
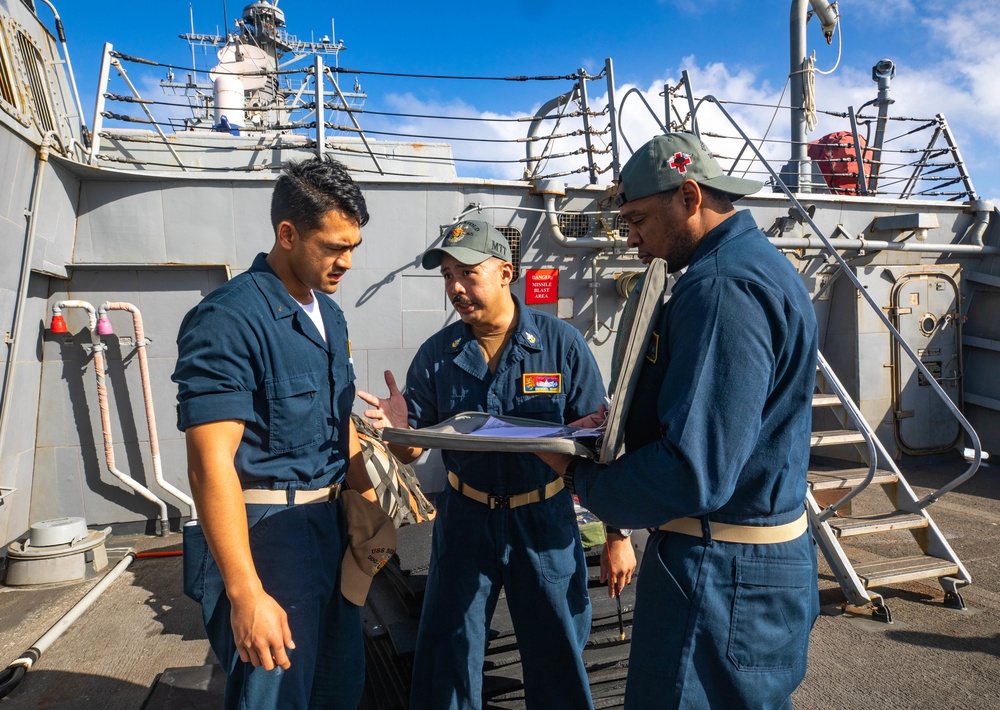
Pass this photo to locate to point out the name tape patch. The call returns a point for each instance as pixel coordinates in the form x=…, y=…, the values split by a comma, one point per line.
x=542, y=382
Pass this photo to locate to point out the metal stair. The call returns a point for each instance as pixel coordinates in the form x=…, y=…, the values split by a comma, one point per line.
x=833, y=522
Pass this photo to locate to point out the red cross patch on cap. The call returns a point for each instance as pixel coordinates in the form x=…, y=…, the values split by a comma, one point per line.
x=680, y=162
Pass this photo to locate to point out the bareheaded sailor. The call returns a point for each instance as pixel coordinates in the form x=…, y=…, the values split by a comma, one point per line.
x=265, y=389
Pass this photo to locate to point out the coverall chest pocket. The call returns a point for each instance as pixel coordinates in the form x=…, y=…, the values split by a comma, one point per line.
x=294, y=412
x=544, y=407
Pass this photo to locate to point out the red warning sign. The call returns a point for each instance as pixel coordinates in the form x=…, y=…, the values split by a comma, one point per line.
x=542, y=286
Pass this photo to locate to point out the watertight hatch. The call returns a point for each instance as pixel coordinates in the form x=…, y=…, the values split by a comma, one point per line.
x=924, y=306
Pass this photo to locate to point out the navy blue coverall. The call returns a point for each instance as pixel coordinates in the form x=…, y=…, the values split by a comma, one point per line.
x=534, y=552
x=249, y=352
x=719, y=429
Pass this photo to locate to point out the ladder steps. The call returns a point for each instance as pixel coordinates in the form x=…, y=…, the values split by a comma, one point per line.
x=837, y=436
x=849, y=526
x=825, y=400
x=904, y=569
x=846, y=478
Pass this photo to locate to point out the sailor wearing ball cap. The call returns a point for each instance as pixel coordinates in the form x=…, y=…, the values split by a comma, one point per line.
x=504, y=522
x=716, y=446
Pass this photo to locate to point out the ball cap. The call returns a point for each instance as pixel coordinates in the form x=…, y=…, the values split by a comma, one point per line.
x=371, y=543
x=666, y=161
x=471, y=242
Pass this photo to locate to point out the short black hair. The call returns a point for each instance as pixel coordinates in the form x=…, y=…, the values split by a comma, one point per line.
x=308, y=189
x=722, y=200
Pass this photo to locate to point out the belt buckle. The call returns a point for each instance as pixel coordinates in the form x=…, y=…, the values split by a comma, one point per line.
x=498, y=501
x=334, y=492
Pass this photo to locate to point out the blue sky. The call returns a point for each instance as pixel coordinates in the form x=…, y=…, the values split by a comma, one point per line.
x=947, y=56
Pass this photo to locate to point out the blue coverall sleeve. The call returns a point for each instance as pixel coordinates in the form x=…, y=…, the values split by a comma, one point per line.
x=216, y=370
x=421, y=399
x=720, y=344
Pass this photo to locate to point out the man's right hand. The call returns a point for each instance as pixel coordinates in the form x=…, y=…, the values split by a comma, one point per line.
x=261, y=632
x=390, y=411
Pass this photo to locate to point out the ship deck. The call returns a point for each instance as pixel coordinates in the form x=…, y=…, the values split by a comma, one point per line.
x=115, y=656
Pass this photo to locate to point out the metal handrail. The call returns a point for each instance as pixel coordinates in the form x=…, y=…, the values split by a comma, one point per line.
x=863, y=428
x=930, y=498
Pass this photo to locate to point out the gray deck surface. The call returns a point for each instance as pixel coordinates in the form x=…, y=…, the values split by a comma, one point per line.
x=930, y=657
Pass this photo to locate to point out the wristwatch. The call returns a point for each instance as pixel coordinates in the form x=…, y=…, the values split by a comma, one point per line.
x=570, y=474
x=624, y=532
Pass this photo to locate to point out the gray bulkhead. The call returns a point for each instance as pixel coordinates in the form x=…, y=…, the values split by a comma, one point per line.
x=163, y=242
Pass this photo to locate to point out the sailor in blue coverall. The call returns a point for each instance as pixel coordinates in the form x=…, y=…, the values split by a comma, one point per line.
x=717, y=447
x=265, y=389
x=523, y=363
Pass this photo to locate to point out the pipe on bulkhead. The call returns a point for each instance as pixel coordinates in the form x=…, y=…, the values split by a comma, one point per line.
x=12, y=675
x=882, y=73
x=550, y=189
x=796, y=175
x=104, y=328
x=983, y=210
x=859, y=244
x=102, y=397
x=27, y=254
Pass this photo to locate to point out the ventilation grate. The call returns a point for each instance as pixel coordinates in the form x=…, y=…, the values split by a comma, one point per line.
x=573, y=225
x=513, y=235
x=6, y=80
x=621, y=226
x=34, y=67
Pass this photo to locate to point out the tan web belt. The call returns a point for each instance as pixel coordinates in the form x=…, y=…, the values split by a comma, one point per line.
x=505, y=502
x=264, y=496
x=745, y=534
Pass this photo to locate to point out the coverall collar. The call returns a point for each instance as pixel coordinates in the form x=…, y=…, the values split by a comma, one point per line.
x=738, y=223
x=470, y=358
x=282, y=304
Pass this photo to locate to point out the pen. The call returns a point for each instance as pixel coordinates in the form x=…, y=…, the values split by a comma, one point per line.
x=621, y=624
x=618, y=596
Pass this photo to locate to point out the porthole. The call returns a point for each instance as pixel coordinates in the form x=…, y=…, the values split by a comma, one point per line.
x=928, y=322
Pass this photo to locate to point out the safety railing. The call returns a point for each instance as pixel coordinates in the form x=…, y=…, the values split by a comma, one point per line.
x=918, y=158
x=313, y=112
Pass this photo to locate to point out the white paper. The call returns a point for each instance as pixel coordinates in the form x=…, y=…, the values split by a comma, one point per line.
x=505, y=430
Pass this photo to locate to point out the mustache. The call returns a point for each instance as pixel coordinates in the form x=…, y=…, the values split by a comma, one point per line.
x=461, y=301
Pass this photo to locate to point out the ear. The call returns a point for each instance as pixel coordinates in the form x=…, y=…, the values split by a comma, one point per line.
x=285, y=235
x=691, y=197
x=506, y=273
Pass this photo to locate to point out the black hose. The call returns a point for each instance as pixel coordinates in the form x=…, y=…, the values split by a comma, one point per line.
x=10, y=677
